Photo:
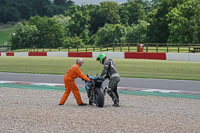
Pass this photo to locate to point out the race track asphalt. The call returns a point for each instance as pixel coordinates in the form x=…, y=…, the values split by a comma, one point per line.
x=183, y=85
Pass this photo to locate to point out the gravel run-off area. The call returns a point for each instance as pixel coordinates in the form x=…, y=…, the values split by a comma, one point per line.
x=37, y=111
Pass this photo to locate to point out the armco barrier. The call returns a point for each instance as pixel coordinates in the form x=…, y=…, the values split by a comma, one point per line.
x=80, y=54
x=144, y=55
x=59, y=54
x=37, y=54
x=134, y=55
x=116, y=55
x=159, y=56
x=194, y=57
x=178, y=56
x=9, y=53
x=3, y=54
x=113, y=55
x=21, y=54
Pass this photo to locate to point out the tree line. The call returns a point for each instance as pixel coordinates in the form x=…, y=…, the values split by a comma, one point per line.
x=136, y=21
x=16, y=10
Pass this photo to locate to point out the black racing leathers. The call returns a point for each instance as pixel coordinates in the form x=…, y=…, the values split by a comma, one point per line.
x=111, y=73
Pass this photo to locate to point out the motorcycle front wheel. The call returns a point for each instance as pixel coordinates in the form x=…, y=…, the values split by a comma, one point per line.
x=99, y=97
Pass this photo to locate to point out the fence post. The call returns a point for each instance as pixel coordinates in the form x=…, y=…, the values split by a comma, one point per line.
x=86, y=49
x=93, y=49
x=77, y=49
x=113, y=48
x=167, y=48
x=121, y=48
x=68, y=49
x=147, y=47
x=100, y=48
x=128, y=48
x=189, y=48
x=178, y=48
x=107, y=48
x=157, y=47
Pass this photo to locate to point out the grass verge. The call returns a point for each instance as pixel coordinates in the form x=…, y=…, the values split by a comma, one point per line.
x=127, y=67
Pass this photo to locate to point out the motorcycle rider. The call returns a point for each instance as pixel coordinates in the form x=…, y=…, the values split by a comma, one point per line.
x=70, y=85
x=111, y=73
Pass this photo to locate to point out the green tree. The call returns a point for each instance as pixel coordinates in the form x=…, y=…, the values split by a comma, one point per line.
x=111, y=33
x=106, y=13
x=73, y=42
x=78, y=23
x=25, y=11
x=64, y=3
x=24, y=36
x=158, y=29
x=137, y=33
x=9, y=14
x=50, y=33
x=196, y=22
x=184, y=26
x=64, y=21
x=124, y=14
x=136, y=11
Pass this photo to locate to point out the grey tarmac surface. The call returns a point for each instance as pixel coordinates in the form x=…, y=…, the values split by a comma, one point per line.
x=186, y=85
x=37, y=111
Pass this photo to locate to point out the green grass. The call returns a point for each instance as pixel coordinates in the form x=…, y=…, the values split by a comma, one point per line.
x=127, y=67
x=5, y=35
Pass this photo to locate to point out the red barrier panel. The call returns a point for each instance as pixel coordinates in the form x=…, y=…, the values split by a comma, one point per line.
x=134, y=55
x=160, y=56
x=141, y=55
x=0, y=53
x=37, y=54
x=9, y=53
x=80, y=54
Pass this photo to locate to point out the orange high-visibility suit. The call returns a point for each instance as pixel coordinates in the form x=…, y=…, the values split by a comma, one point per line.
x=70, y=85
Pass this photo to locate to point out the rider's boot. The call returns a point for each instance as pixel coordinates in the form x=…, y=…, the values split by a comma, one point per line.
x=116, y=103
x=114, y=97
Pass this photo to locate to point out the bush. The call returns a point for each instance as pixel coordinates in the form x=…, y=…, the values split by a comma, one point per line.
x=73, y=42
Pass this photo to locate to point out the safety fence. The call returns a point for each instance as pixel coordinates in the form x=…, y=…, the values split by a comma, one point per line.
x=119, y=47
x=5, y=48
x=127, y=47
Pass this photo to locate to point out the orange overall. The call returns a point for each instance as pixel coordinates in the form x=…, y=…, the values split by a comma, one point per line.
x=70, y=85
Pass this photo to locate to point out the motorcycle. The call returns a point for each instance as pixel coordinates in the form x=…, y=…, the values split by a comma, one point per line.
x=95, y=90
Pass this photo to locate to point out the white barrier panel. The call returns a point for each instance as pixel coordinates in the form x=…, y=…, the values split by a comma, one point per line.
x=3, y=54
x=61, y=54
x=178, y=56
x=194, y=57
x=113, y=55
x=21, y=54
